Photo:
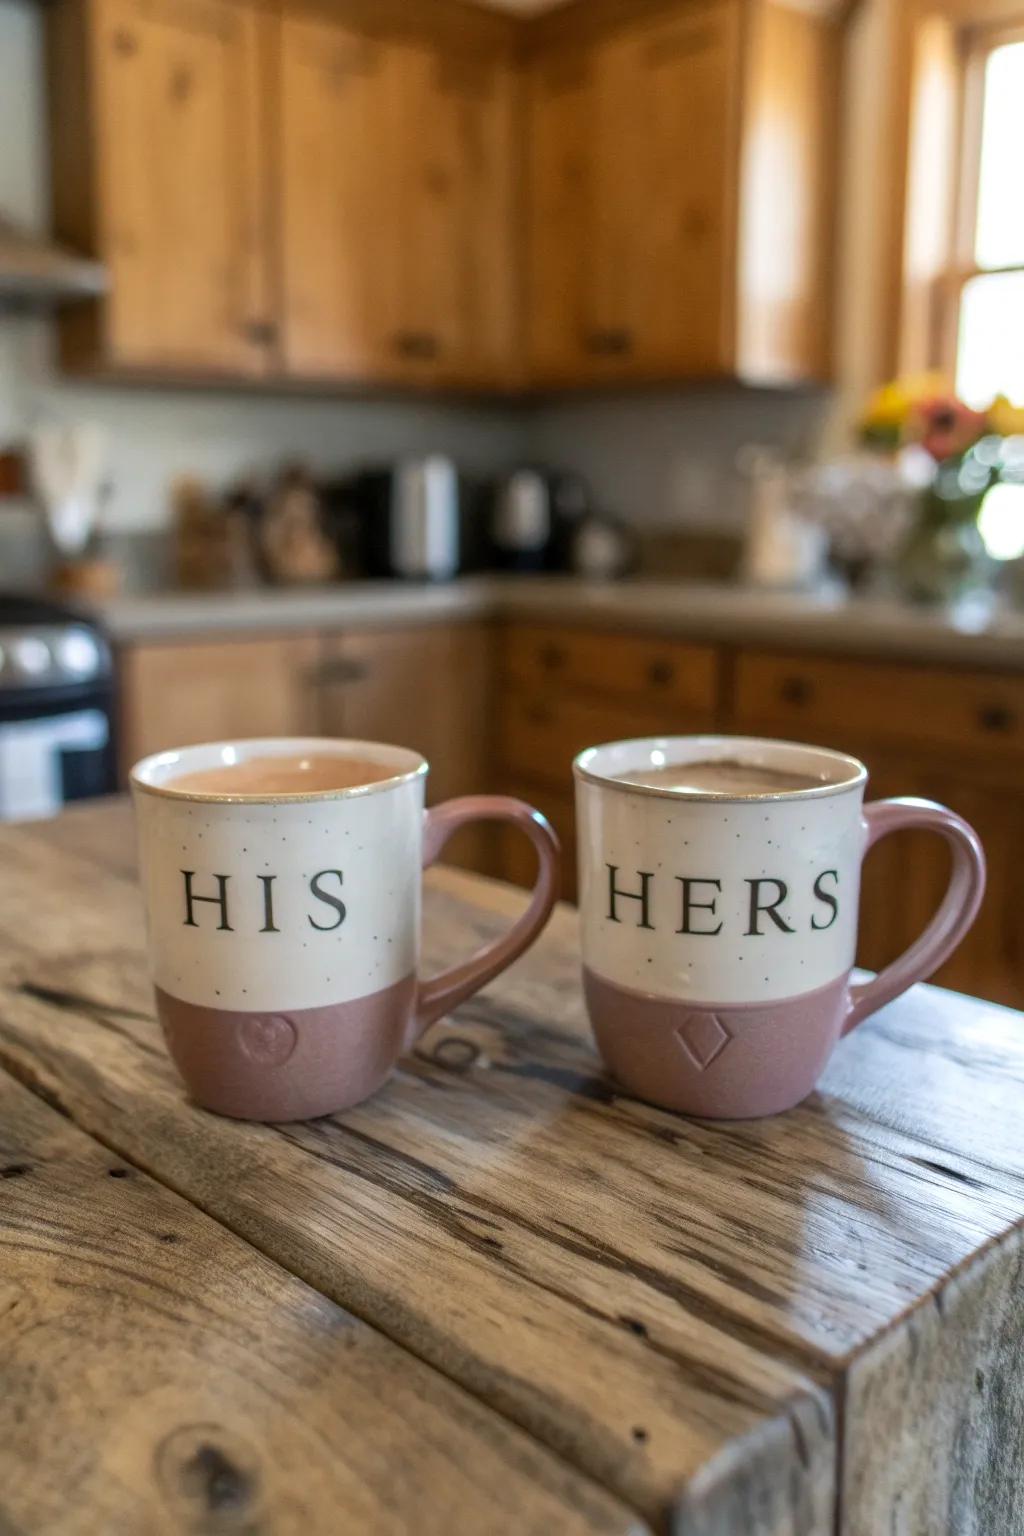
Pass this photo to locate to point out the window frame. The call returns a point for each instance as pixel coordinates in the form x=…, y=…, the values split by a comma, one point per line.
x=976, y=44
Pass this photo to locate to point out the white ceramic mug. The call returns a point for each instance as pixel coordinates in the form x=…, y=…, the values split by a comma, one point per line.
x=284, y=929
x=719, y=931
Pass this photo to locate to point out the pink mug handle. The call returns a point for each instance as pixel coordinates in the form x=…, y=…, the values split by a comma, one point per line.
x=956, y=914
x=441, y=994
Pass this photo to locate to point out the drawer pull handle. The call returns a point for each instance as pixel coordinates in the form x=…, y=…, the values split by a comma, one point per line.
x=417, y=344
x=796, y=690
x=552, y=657
x=996, y=717
x=660, y=674
x=338, y=671
x=609, y=343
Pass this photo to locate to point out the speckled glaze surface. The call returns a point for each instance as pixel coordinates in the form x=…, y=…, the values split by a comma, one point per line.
x=284, y=930
x=719, y=932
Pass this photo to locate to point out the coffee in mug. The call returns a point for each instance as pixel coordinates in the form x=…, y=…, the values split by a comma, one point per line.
x=282, y=888
x=719, y=891
x=284, y=776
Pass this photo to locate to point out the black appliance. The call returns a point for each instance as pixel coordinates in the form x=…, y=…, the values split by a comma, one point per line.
x=56, y=708
x=534, y=520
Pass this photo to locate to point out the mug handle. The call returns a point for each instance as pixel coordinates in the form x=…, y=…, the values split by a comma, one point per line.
x=441, y=994
x=956, y=914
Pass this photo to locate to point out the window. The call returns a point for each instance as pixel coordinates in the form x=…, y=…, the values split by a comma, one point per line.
x=985, y=319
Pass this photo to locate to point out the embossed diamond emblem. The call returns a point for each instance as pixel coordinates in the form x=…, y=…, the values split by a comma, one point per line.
x=703, y=1037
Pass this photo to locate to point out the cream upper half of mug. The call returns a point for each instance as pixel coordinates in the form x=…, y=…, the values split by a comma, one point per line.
x=361, y=854
x=800, y=853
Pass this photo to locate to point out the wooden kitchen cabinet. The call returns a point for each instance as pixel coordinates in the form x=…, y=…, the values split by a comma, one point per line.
x=177, y=693
x=158, y=156
x=338, y=200
x=952, y=736
x=397, y=182
x=564, y=689
x=665, y=242
x=428, y=687
x=427, y=193
x=458, y=238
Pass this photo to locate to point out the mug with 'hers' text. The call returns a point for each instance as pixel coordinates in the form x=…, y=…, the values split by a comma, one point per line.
x=282, y=891
x=719, y=892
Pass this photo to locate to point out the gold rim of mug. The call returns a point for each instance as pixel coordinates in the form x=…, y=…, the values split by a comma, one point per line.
x=297, y=797
x=858, y=775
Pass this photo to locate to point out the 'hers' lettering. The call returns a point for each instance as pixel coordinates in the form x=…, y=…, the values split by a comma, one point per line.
x=765, y=903
x=324, y=887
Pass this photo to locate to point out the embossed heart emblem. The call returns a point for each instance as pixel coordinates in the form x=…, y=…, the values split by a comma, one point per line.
x=268, y=1039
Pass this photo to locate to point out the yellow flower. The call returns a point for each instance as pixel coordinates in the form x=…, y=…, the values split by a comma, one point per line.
x=887, y=407
x=1006, y=418
x=890, y=406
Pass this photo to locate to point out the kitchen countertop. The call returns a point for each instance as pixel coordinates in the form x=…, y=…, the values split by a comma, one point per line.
x=978, y=636
x=577, y=1313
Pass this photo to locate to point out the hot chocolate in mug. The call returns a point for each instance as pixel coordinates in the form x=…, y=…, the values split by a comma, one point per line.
x=719, y=911
x=284, y=925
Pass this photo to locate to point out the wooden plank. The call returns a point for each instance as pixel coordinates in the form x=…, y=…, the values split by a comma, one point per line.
x=497, y=1209
x=158, y=1374
x=659, y=1299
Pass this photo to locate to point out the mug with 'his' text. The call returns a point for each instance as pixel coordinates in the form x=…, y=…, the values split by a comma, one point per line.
x=282, y=888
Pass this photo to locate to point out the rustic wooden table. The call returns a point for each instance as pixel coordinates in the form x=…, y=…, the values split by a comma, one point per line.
x=499, y=1297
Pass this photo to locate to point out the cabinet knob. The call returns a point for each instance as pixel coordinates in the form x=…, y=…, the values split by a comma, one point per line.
x=551, y=657
x=661, y=673
x=609, y=343
x=538, y=714
x=262, y=333
x=417, y=344
x=996, y=718
x=338, y=671
x=795, y=690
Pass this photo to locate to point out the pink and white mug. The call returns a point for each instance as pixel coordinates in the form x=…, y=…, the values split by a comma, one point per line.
x=284, y=928
x=720, y=929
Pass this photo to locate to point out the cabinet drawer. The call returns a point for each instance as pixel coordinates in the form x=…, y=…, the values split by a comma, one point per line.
x=517, y=861
x=829, y=702
x=631, y=666
x=540, y=733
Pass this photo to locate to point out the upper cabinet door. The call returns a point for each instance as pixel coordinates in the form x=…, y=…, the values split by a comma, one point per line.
x=632, y=188
x=560, y=112
x=179, y=172
x=396, y=188
x=456, y=125
x=338, y=198
x=667, y=162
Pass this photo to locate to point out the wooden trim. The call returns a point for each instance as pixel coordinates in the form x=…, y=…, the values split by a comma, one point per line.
x=979, y=26
x=455, y=25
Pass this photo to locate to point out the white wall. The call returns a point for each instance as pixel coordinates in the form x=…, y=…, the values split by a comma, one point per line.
x=669, y=458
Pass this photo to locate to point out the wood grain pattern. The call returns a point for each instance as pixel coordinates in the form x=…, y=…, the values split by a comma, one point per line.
x=181, y=184
x=157, y=1373
x=475, y=1210
x=789, y=103
x=656, y=671
x=372, y=689
x=954, y=737
x=173, y=695
x=672, y=1305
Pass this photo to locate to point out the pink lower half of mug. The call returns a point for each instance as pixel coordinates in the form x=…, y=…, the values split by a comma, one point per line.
x=721, y=1061
x=292, y=1064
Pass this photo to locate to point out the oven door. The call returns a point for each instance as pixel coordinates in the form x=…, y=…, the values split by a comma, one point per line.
x=51, y=756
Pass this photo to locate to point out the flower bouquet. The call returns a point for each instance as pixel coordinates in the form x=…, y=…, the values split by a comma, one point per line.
x=955, y=456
